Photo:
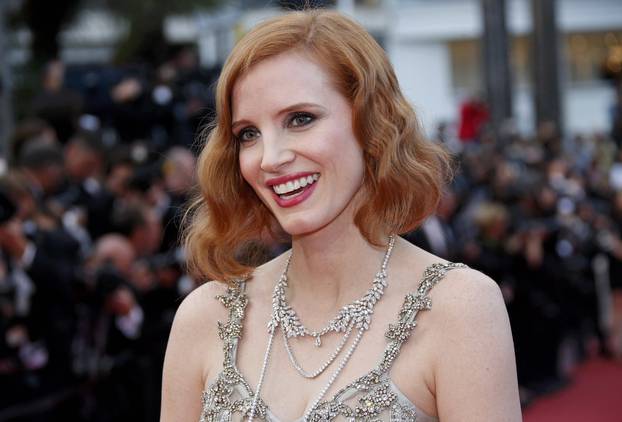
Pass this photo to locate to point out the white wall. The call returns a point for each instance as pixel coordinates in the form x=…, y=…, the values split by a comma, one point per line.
x=419, y=30
x=424, y=72
x=587, y=108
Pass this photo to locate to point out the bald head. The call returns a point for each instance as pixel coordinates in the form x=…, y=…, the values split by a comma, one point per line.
x=116, y=250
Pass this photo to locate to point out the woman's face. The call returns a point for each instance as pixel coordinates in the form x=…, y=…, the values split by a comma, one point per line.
x=297, y=147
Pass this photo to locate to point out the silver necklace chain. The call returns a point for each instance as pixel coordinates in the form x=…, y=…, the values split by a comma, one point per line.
x=335, y=374
x=322, y=393
x=357, y=313
x=355, y=317
x=264, y=366
x=326, y=364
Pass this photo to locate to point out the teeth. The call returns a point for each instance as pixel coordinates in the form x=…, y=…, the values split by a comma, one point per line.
x=292, y=185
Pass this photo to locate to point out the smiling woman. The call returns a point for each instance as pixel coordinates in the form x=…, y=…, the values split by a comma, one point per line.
x=313, y=139
x=301, y=129
x=404, y=173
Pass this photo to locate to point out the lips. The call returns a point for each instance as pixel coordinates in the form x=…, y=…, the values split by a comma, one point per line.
x=292, y=189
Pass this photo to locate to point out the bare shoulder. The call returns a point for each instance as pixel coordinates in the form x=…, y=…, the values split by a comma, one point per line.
x=461, y=287
x=462, y=292
x=467, y=307
x=195, y=329
x=191, y=352
x=201, y=306
x=467, y=293
x=474, y=367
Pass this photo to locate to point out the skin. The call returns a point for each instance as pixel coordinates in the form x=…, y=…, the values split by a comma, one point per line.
x=116, y=249
x=81, y=163
x=458, y=364
x=303, y=132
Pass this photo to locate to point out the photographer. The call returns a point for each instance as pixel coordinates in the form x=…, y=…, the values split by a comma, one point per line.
x=39, y=262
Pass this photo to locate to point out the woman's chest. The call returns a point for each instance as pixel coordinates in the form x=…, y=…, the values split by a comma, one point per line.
x=338, y=363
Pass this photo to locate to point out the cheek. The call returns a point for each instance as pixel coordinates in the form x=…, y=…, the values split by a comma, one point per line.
x=345, y=154
x=249, y=166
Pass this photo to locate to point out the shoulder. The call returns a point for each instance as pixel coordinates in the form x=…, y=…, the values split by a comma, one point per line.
x=202, y=305
x=467, y=305
x=461, y=297
x=460, y=286
x=474, y=361
x=467, y=292
x=192, y=351
x=195, y=329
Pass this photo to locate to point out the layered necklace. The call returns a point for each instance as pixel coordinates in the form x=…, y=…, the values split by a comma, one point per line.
x=355, y=315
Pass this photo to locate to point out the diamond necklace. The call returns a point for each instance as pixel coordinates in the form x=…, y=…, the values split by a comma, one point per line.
x=362, y=326
x=357, y=314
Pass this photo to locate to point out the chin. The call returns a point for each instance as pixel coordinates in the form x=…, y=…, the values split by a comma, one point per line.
x=298, y=229
x=300, y=226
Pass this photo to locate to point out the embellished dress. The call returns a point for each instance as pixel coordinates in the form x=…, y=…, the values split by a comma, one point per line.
x=371, y=398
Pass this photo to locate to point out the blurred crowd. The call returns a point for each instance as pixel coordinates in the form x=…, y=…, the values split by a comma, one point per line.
x=542, y=216
x=91, y=200
x=93, y=193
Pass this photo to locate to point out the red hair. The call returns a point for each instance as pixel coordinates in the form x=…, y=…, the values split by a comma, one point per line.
x=404, y=172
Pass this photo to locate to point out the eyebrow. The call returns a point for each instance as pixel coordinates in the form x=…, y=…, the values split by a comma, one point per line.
x=287, y=109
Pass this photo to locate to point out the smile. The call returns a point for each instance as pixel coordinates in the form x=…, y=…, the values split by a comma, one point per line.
x=294, y=187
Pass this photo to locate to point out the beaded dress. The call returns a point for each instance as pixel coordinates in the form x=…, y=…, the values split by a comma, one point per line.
x=371, y=398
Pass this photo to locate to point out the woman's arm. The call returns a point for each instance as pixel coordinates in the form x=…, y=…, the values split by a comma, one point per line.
x=475, y=368
x=188, y=347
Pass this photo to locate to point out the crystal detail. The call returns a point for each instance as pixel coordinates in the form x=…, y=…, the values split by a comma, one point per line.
x=357, y=313
x=354, y=315
x=220, y=401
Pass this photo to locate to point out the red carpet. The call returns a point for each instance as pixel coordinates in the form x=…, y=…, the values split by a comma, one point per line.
x=594, y=395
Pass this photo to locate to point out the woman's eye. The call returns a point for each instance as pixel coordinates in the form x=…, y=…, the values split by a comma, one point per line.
x=246, y=135
x=301, y=119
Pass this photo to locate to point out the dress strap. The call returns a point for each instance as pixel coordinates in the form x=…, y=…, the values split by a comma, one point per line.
x=235, y=300
x=399, y=332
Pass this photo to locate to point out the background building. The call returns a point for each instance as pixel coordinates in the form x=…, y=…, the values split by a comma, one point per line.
x=436, y=50
x=434, y=45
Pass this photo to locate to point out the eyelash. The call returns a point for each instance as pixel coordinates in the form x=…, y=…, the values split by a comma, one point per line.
x=240, y=136
x=309, y=118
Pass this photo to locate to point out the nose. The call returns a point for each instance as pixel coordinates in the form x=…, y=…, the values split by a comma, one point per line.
x=276, y=154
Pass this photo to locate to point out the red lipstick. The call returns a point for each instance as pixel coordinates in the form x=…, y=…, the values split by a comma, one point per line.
x=284, y=201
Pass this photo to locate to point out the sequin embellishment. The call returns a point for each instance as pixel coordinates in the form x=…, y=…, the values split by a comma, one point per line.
x=231, y=394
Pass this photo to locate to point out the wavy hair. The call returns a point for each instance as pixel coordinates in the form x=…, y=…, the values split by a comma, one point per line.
x=404, y=173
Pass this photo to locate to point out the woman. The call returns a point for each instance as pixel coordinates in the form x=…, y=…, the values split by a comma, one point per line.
x=314, y=139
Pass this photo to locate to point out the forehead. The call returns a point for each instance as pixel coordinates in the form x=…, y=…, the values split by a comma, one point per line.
x=280, y=81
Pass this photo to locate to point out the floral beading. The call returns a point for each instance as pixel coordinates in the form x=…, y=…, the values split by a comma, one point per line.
x=230, y=394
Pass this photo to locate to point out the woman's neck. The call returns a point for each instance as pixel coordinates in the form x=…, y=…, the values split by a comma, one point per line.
x=332, y=268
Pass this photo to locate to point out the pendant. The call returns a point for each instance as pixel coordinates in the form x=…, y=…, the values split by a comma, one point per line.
x=318, y=341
